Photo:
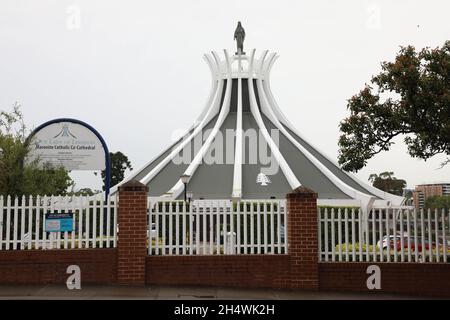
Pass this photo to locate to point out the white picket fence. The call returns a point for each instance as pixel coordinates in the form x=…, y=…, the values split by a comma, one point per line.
x=385, y=235
x=215, y=227
x=22, y=222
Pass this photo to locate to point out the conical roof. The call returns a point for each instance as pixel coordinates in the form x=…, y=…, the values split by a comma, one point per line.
x=243, y=147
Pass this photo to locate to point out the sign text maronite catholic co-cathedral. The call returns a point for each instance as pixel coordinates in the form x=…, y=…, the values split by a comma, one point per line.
x=67, y=144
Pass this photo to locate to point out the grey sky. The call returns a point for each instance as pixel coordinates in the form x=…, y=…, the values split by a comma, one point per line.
x=132, y=62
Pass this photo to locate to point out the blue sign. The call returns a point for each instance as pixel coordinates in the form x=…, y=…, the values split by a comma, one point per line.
x=59, y=222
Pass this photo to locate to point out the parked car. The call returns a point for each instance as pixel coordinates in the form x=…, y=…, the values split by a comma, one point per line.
x=383, y=243
x=420, y=247
x=396, y=242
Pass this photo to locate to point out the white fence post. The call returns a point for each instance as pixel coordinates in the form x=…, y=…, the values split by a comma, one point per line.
x=22, y=222
x=389, y=231
x=1, y=221
x=214, y=227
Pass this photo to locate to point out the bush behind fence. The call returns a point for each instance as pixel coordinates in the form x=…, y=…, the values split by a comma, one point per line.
x=384, y=235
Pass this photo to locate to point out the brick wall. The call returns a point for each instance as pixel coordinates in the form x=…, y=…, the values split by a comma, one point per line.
x=129, y=263
x=132, y=236
x=426, y=191
x=98, y=266
x=297, y=269
x=249, y=271
x=426, y=279
x=430, y=190
x=302, y=238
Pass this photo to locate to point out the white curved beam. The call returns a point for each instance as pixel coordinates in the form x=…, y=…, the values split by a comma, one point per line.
x=213, y=67
x=348, y=190
x=266, y=72
x=209, y=114
x=237, y=169
x=214, y=83
x=287, y=171
x=218, y=63
x=262, y=60
x=216, y=102
x=396, y=200
x=176, y=190
x=134, y=174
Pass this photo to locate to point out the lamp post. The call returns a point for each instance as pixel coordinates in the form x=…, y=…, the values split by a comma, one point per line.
x=190, y=196
x=185, y=179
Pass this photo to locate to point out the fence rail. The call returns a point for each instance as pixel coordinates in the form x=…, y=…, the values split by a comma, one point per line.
x=385, y=235
x=217, y=227
x=22, y=223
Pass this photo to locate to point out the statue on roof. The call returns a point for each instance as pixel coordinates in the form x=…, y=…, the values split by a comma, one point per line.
x=239, y=36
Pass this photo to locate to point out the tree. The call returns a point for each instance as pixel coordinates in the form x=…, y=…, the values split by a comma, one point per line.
x=387, y=182
x=438, y=202
x=119, y=163
x=410, y=97
x=83, y=192
x=17, y=179
x=45, y=180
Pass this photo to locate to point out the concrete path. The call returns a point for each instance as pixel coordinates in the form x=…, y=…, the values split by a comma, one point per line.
x=185, y=293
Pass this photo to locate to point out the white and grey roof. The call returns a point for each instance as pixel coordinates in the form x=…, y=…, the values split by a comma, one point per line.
x=240, y=101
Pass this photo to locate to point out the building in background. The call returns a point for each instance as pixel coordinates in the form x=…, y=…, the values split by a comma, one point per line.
x=241, y=102
x=424, y=191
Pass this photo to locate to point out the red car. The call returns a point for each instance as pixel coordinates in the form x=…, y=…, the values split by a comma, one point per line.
x=398, y=244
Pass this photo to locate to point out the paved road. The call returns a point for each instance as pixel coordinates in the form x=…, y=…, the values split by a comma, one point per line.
x=169, y=293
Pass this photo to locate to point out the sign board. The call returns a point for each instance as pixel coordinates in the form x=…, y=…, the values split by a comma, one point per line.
x=68, y=144
x=59, y=222
x=72, y=144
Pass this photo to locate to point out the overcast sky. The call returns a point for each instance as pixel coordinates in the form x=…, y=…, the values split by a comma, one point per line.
x=122, y=66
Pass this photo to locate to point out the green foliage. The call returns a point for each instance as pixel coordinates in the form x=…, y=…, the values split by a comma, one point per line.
x=356, y=246
x=387, y=182
x=336, y=208
x=247, y=206
x=119, y=163
x=244, y=205
x=411, y=97
x=408, y=194
x=45, y=180
x=83, y=192
x=438, y=202
x=371, y=248
x=16, y=178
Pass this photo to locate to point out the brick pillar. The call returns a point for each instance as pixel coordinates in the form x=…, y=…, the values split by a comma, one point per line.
x=132, y=237
x=302, y=238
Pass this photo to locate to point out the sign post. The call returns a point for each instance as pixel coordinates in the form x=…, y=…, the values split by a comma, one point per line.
x=71, y=144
